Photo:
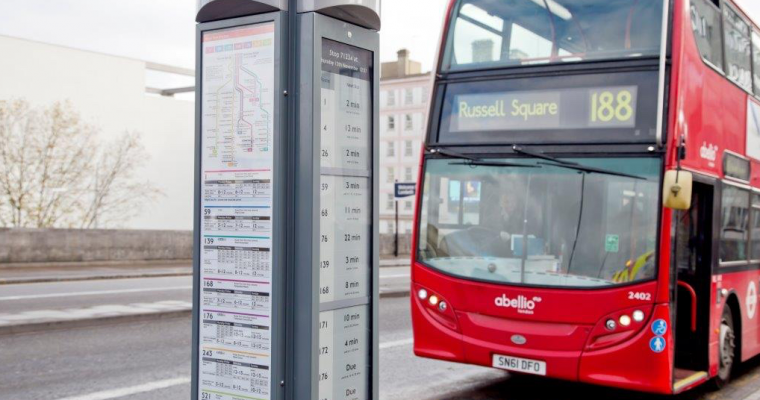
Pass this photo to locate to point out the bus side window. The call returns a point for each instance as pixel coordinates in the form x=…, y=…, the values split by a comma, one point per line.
x=756, y=61
x=737, y=46
x=705, y=22
x=734, y=224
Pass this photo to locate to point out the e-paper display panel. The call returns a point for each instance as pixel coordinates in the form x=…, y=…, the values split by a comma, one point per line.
x=345, y=261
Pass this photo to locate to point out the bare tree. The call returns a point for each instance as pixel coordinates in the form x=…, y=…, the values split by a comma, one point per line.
x=55, y=173
x=117, y=195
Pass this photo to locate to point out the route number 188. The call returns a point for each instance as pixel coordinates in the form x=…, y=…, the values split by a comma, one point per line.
x=606, y=106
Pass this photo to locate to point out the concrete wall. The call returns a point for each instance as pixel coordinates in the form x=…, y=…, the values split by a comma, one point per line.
x=20, y=246
x=76, y=245
x=404, y=243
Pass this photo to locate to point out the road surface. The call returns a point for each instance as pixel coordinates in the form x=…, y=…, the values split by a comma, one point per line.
x=151, y=360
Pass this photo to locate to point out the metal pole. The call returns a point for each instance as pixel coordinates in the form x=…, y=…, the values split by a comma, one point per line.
x=395, y=242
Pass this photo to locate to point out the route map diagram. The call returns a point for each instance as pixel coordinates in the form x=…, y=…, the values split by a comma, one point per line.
x=238, y=96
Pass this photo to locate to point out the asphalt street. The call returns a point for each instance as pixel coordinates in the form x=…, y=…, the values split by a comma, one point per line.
x=151, y=360
x=59, y=295
x=75, y=294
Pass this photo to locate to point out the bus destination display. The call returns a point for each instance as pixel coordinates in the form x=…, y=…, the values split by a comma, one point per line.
x=237, y=128
x=605, y=107
x=345, y=214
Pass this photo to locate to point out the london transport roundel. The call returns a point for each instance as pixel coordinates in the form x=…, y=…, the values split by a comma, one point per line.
x=751, y=300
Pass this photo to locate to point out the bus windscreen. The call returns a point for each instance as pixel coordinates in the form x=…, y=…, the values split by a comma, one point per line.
x=497, y=33
x=583, y=229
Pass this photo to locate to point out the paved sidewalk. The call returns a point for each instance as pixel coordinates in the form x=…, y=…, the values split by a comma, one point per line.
x=396, y=262
x=15, y=274
x=39, y=273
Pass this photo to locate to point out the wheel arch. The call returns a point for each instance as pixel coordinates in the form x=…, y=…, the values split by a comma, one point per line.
x=736, y=314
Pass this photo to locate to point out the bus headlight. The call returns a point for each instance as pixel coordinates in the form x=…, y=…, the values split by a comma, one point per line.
x=617, y=327
x=610, y=324
x=437, y=307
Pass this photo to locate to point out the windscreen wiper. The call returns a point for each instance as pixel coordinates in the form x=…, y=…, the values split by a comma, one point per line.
x=534, y=154
x=556, y=162
x=475, y=161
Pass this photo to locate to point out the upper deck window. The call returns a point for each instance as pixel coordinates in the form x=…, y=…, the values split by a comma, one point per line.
x=705, y=22
x=756, y=61
x=498, y=33
x=738, y=55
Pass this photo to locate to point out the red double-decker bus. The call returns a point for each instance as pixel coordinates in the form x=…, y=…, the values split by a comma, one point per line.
x=588, y=205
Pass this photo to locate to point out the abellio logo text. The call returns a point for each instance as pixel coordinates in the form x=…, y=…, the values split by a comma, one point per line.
x=520, y=303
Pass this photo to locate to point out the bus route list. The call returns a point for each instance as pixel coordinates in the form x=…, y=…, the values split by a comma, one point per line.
x=237, y=131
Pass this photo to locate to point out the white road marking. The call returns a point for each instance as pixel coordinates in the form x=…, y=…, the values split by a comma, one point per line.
x=106, y=310
x=93, y=293
x=395, y=276
x=396, y=343
x=132, y=390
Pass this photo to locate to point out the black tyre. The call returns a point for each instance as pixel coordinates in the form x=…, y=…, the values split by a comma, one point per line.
x=727, y=354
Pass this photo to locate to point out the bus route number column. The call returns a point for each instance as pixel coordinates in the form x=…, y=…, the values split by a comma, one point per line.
x=345, y=216
x=236, y=213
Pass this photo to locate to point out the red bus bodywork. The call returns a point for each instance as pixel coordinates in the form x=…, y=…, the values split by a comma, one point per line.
x=566, y=327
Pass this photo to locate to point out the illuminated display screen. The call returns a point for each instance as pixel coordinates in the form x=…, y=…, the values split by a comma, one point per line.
x=619, y=107
x=548, y=109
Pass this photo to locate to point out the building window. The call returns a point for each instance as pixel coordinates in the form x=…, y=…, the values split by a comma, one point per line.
x=408, y=228
x=408, y=174
x=408, y=122
x=408, y=148
x=389, y=205
x=408, y=205
x=424, y=95
x=706, y=25
x=408, y=96
x=391, y=123
x=391, y=98
x=734, y=224
x=391, y=149
x=391, y=178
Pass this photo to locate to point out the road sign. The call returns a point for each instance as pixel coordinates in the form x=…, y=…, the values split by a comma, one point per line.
x=402, y=190
x=280, y=95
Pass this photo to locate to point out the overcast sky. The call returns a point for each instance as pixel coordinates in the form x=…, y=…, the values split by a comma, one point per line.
x=163, y=30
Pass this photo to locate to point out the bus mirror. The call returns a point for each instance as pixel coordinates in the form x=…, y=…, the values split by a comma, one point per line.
x=677, y=189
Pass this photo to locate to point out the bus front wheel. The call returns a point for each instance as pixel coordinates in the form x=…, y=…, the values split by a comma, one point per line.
x=727, y=349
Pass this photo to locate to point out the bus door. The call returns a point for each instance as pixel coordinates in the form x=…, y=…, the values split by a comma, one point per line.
x=693, y=245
